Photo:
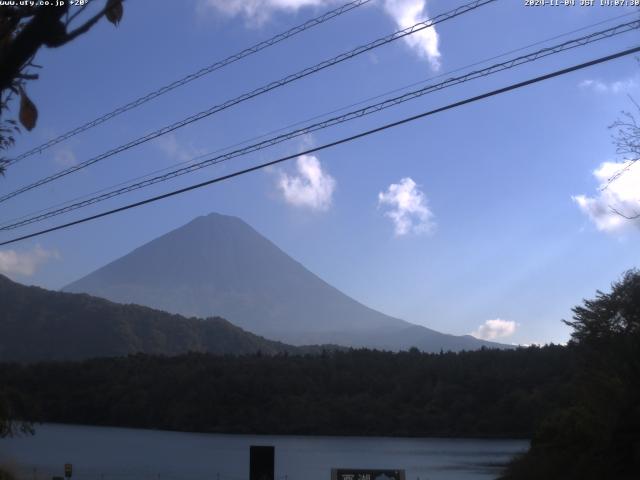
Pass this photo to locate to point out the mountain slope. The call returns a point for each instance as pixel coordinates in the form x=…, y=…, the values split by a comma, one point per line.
x=219, y=265
x=38, y=324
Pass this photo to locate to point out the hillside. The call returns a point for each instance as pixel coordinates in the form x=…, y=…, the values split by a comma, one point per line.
x=218, y=265
x=38, y=324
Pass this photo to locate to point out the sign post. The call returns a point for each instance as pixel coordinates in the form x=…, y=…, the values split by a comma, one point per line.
x=261, y=462
x=366, y=474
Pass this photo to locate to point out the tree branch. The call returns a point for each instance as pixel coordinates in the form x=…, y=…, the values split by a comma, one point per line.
x=630, y=163
x=86, y=26
x=40, y=30
x=45, y=28
x=635, y=215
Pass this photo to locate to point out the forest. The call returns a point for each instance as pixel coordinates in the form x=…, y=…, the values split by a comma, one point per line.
x=357, y=392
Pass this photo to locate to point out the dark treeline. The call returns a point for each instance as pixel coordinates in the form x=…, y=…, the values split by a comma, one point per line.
x=358, y=392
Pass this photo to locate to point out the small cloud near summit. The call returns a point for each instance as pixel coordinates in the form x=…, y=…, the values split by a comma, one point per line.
x=495, y=329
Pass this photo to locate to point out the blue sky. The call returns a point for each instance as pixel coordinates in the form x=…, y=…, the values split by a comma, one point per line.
x=487, y=212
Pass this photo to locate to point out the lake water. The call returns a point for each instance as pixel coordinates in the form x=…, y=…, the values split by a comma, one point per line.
x=101, y=453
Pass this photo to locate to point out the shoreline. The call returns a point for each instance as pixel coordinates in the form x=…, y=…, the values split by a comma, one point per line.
x=289, y=435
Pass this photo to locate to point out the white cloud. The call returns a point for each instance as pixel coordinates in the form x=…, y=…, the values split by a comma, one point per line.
x=405, y=13
x=495, y=329
x=24, y=263
x=257, y=12
x=176, y=150
x=620, y=86
x=311, y=187
x=409, y=211
x=409, y=12
x=622, y=194
x=64, y=157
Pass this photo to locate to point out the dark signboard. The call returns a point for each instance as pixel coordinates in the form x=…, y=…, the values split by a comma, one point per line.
x=366, y=474
x=261, y=463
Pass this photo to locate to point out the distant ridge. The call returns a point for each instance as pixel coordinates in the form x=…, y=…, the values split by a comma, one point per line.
x=219, y=265
x=41, y=325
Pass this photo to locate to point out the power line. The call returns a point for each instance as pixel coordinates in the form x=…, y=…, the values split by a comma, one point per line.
x=316, y=117
x=351, y=138
x=374, y=108
x=347, y=7
x=254, y=93
x=623, y=28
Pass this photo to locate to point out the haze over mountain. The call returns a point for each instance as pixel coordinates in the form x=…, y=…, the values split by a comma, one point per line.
x=217, y=265
x=40, y=325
